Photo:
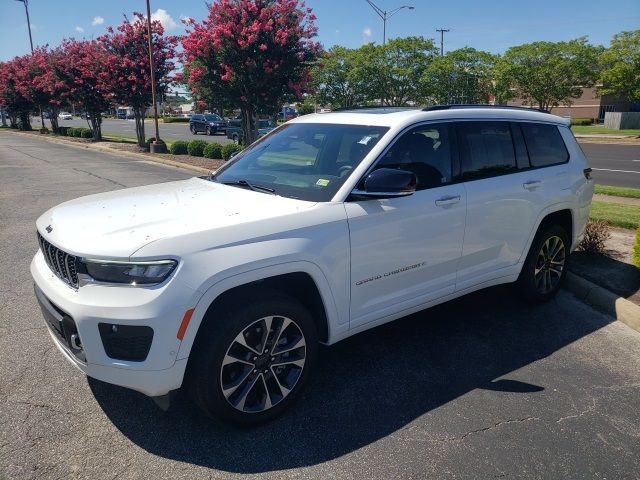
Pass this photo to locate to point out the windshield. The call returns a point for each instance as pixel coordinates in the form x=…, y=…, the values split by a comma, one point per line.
x=309, y=161
x=212, y=118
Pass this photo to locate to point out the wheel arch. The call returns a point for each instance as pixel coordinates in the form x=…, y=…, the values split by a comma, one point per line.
x=303, y=281
x=561, y=215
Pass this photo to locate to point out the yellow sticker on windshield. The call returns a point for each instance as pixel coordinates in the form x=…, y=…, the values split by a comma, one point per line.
x=322, y=182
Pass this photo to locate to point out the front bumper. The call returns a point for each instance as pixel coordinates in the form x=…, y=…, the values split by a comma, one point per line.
x=161, y=308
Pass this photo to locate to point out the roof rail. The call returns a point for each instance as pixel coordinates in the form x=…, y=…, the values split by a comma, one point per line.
x=373, y=107
x=510, y=107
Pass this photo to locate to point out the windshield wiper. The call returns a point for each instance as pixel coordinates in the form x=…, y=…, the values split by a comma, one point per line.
x=255, y=188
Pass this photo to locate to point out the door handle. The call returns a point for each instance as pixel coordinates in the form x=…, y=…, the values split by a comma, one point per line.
x=447, y=200
x=533, y=184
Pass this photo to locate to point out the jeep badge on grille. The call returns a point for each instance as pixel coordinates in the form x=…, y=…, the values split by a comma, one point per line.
x=49, y=229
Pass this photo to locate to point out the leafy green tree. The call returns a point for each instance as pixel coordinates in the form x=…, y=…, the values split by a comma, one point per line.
x=620, y=65
x=547, y=74
x=461, y=76
x=337, y=79
x=397, y=68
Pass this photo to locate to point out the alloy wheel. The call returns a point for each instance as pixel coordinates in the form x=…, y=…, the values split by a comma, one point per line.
x=263, y=364
x=550, y=264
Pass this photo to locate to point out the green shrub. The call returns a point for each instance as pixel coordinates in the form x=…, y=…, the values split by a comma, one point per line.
x=71, y=131
x=229, y=149
x=86, y=133
x=175, y=120
x=64, y=131
x=179, y=147
x=213, y=150
x=196, y=148
x=636, y=249
x=581, y=121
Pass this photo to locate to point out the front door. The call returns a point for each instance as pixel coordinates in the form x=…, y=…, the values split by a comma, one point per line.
x=405, y=251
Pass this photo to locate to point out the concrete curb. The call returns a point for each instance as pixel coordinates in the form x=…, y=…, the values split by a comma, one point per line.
x=120, y=153
x=604, y=300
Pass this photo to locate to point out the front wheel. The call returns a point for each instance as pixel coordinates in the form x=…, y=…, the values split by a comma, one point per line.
x=252, y=360
x=209, y=132
x=193, y=129
x=545, y=266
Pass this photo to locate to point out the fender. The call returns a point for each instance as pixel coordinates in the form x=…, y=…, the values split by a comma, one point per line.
x=224, y=284
x=555, y=207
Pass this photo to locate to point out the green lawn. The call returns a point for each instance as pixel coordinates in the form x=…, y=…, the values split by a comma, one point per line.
x=616, y=214
x=636, y=249
x=599, y=129
x=618, y=191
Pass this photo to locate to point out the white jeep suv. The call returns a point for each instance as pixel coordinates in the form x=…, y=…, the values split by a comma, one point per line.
x=330, y=225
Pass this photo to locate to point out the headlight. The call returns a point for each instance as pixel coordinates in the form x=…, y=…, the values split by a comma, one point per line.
x=132, y=273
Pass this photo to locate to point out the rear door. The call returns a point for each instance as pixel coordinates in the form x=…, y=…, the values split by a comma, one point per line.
x=504, y=199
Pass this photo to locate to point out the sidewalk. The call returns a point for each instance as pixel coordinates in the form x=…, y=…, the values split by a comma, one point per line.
x=614, y=199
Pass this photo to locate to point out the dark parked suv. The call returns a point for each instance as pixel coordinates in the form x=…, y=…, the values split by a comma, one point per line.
x=208, y=123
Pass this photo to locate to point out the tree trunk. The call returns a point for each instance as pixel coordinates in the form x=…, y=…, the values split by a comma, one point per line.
x=138, y=114
x=96, y=125
x=53, y=118
x=24, y=121
x=250, y=132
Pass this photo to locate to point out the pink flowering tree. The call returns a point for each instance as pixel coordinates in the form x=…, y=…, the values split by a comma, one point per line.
x=85, y=73
x=38, y=81
x=128, y=77
x=253, y=52
x=17, y=105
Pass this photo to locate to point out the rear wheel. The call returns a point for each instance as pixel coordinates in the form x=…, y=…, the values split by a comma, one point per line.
x=252, y=360
x=209, y=131
x=545, y=266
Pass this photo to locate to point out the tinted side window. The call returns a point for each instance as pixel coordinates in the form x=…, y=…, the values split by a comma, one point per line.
x=545, y=144
x=425, y=151
x=486, y=149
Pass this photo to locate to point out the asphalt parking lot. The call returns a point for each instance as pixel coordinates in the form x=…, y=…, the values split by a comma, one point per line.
x=481, y=387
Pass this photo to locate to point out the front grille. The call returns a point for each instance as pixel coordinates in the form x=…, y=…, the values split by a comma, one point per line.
x=60, y=262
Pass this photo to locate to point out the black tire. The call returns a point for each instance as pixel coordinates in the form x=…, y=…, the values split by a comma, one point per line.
x=218, y=336
x=538, y=280
x=209, y=131
x=193, y=129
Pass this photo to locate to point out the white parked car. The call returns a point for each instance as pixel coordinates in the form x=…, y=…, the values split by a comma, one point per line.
x=328, y=226
x=65, y=116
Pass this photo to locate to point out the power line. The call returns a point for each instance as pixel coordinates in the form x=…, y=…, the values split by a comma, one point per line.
x=442, y=32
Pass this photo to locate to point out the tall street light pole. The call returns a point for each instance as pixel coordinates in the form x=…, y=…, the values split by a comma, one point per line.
x=157, y=146
x=26, y=9
x=384, y=15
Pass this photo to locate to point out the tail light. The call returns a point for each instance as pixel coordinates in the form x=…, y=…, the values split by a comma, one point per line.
x=587, y=173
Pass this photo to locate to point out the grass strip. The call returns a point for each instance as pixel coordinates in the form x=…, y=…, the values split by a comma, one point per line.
x=600, y=130
x=616, y=214
x=618, y=191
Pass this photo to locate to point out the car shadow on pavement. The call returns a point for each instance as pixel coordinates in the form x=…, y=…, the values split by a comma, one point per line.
x=366, y=387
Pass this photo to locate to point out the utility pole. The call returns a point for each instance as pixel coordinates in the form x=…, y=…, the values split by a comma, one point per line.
x=384, y=15
x=157, y=146
x=26, y=9
x=442, y=32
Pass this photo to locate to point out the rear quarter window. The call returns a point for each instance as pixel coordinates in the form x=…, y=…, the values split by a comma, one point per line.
x=545, y=144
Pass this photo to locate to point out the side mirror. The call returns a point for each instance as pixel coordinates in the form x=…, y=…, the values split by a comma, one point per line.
x=388, y=183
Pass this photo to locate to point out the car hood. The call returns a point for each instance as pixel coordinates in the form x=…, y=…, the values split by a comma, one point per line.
x=116, y=224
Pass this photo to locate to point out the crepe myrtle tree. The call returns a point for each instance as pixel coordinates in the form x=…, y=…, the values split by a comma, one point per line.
x=257, y=51
x=39, y=82
x=17, y=105
x=85, y=72
x=128, y=76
